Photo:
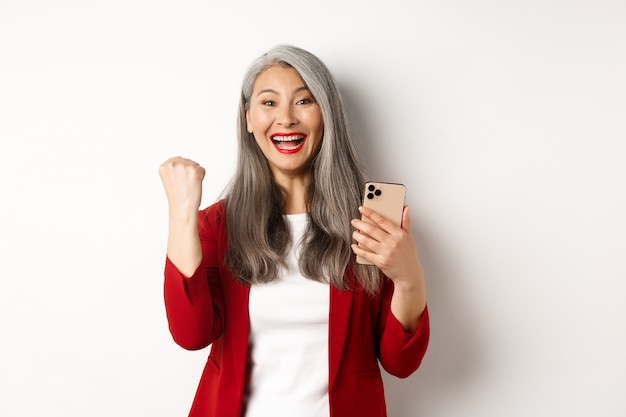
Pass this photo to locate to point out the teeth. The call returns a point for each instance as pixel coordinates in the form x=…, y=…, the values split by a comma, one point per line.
x=287, y=138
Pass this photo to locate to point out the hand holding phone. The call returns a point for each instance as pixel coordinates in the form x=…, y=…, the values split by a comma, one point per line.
x=387, y=199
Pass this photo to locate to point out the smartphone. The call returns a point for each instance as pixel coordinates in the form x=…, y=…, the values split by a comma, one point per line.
x=386, y=199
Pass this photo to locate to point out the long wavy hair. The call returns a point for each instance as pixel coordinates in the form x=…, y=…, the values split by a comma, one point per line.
x=258, y=233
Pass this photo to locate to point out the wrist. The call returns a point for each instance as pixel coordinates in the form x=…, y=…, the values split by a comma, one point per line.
x=409, y=283
x=183, y=214
x=405, y=286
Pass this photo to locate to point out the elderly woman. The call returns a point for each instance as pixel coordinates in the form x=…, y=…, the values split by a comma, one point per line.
x=267, y=275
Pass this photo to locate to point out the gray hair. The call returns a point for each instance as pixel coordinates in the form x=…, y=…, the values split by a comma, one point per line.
x=258, y=243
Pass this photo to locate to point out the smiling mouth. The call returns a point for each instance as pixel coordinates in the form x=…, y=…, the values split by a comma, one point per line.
x=288, y=143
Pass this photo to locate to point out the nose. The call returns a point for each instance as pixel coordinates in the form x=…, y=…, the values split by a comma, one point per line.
x=286, y=116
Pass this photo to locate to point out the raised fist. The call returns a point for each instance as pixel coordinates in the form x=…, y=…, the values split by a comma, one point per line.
x=182, y=180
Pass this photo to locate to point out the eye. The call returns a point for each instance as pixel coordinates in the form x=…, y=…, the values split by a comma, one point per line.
x=268, y=103
x=304, y=101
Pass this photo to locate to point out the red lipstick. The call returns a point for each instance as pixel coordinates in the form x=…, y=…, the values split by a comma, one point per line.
x=288, y=142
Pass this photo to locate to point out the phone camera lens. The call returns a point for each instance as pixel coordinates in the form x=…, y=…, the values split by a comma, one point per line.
x=370, y=196
x=378, y=192
x=371, y=187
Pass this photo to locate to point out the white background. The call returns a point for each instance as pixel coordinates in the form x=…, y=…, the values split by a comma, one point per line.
x=504, y=118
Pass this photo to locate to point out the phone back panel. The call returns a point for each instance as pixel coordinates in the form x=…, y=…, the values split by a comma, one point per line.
x=386, y=199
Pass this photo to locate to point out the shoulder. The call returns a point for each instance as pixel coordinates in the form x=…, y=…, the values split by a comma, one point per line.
x=213, y=216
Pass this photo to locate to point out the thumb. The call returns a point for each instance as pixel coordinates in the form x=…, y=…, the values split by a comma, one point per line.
x=406, y=221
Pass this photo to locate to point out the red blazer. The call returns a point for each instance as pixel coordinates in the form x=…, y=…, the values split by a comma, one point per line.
x=211, y=308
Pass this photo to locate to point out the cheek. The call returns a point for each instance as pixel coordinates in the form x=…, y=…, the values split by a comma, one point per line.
x=319, y=121
x=315, y=122
x=320, y=130
x=259, y=121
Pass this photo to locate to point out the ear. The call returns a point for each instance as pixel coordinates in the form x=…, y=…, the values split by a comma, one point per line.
x=248, y=127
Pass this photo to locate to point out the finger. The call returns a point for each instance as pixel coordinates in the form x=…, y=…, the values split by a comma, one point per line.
x=406, y=221
x=201, y=172
x=378, y=219
x=363, y=253
x=365, y=241
x=368, y=229
x=185, y=167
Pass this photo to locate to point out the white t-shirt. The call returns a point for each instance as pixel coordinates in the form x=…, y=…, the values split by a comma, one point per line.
x=288, y=342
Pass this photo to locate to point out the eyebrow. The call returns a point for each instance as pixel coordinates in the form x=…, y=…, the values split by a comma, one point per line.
x=270, y=90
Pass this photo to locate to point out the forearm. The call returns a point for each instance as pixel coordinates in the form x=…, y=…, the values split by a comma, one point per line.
x=182, y=180
x=183, y=243
x=408, y=303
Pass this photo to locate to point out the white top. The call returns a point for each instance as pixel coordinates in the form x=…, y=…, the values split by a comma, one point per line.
x=288, y=341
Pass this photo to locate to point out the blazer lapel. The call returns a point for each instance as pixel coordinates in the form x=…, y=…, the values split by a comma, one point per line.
x=339, y=317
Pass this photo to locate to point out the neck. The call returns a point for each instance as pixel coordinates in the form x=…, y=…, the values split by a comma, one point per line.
x=296, y=190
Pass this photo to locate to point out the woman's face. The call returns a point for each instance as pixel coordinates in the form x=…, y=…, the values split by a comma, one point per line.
x=286, y=121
